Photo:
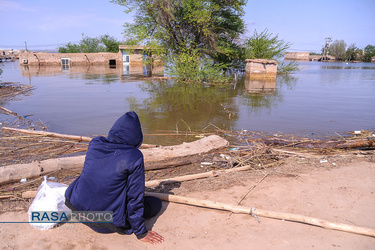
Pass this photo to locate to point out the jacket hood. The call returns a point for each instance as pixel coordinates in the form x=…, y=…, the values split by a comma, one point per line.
x=127, y=130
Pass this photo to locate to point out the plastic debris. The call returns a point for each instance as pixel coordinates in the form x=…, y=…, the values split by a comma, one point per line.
x=357, y=132
x=237, y=148
x=199, y=136
x=206, y=163
x=24, y=180
x=323, y=161
x=225, y=156
x=51, y=178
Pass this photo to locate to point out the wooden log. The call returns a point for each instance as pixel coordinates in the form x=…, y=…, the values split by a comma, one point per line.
x=190, y=177
x=6, y=196
x=170, y=163
x=200, y=146
x=63, y=136
x=7, y=111
x=152, y=183
x=265, y=213
x=180, y=178
x=29, y=194
x=341, y=144
x=37, y=168
x=51, y=134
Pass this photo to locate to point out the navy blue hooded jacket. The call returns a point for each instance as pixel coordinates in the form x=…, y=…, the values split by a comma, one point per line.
x=112, y=178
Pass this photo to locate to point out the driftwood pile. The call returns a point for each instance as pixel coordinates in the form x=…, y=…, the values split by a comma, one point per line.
x=250, y=152
x=11, y=89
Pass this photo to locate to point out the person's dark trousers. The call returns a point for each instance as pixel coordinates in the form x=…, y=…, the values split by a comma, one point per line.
x=152, y=206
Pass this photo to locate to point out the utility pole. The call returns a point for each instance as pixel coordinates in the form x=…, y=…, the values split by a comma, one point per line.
x=325, y=49
x=25, y=46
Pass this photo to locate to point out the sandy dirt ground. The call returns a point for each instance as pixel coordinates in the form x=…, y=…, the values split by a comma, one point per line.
x=339, y=190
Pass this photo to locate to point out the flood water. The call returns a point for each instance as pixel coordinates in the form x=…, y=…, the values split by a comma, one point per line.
x=321, y=98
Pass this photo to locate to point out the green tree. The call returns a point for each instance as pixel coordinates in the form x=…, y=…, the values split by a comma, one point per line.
x=351, y=52
x=369, y=53
x=91, y=45
x=111, y=44
x=189, y=66
x=104, y=43
x=207, y=28
x=338, y=49
x=265, y=45
x=70, y=48
x=359, y=54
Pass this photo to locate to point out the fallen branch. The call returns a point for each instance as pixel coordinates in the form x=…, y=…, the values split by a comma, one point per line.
x=181, y=178
x=9, y=112
x=243, y=197
x=265, y=213
x=51, y=134
x=170, y=163
x=341, y=144
x=37, y=168
x=6, y=196
x=152, y=183
x=212, y=173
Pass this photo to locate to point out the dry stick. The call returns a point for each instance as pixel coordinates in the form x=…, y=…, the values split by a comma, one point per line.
x=265, y=213
x=295, y=153
x=9, y=111
x=72, y=137
x=18, y=171
x=243, y=197
x=212, y=173
x=179, y=134
x=31, y=194
x=57, y=135
x=6, y=196
x=180, y=178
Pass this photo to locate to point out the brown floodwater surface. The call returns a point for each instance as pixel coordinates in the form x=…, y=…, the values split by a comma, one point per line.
x=321, y=98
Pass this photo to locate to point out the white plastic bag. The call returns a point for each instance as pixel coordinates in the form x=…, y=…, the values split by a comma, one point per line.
x=50, y=197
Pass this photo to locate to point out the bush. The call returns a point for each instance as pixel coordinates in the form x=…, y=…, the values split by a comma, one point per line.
x=265, y=45
x=190, y=67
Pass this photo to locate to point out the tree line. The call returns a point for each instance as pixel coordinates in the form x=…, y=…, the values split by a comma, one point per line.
x=342, y=52
x=104, y=43
x=199, y=40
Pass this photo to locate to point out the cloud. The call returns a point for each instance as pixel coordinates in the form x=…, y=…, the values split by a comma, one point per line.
x=53, y=22
x=14, y=6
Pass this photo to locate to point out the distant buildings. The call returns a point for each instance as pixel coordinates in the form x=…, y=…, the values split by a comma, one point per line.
x=9, y=54
x=132, y=59
x=305, y=56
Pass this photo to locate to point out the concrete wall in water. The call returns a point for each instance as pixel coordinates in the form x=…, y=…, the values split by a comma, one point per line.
x=260, y=68
x=299, y=56
x=41, y=58
x=50, y=70
x=260, y=76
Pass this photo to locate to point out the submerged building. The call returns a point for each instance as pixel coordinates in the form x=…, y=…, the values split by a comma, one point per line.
x=132, y=60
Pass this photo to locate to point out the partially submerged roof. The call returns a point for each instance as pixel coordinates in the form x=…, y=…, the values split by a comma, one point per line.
x=133, y=47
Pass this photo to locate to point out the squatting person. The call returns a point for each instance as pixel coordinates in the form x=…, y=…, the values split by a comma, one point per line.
x=113, y=179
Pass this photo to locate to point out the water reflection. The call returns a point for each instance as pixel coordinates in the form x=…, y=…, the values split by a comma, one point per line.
x=185, y=107
x=345, y=67
x=265, y=93
x=44, y=70
x=311, y=100
x=89, y=71
x=265, y=86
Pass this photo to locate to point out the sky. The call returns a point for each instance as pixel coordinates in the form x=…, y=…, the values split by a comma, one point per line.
x=47, y=24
